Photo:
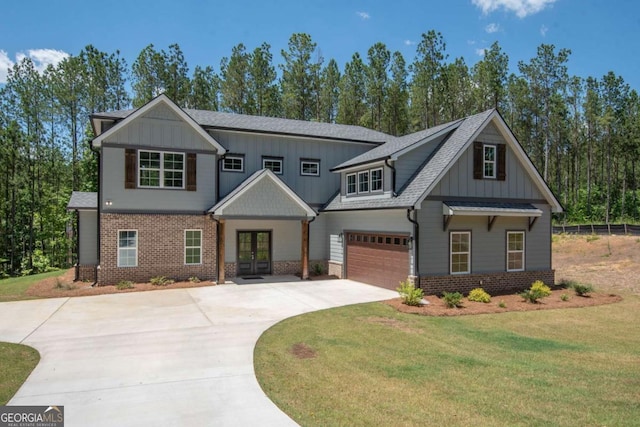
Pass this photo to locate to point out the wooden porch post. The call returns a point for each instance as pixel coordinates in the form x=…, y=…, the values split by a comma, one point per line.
x=305, y=249
x=221, y=240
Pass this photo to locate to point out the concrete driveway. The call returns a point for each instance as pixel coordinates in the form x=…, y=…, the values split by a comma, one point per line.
x=173, y=357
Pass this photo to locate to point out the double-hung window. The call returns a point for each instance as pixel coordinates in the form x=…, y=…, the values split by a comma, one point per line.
x=192, y=247
x=159, y=169
x=351, y=184
x=489, y=161
x=460, y=252
x=376, y=180
x=363, y=182
x=273, y=163
x=127, y=248
x=515, y=251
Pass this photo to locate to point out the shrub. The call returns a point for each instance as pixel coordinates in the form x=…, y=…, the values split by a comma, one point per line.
x=317, y=269
x=567, y=284
x=452, y=299
x=194, y=279
x=124, y=284
x=564, y=297
x=161, y=281
x=502, y=304
x=64, y=286
x=410, y=294
x=537, y=291
x=582, y=290
x=479, y=295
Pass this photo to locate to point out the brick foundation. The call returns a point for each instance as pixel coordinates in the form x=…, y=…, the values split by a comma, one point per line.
x=86, y=273
x=286, y=268
x=335, y=269
x=160, y=247
x=493, y=283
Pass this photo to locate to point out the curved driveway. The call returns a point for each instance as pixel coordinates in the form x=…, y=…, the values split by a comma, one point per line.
x=180, y=357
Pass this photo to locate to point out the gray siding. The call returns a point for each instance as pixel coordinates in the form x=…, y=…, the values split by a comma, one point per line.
x=408, y=164
x=157, y=200
x=488, y=248
x=265, y=198
x=314, y=190
x=160, y=128
x=458, y=181
x=88, y=229
x=318, y=243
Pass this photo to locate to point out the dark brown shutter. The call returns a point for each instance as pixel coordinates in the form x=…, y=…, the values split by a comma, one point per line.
x=129, y=168
x=502, y=154
x=477, y=160
x=191, y=171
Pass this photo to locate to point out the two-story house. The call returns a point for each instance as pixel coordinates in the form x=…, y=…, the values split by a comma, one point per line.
x=215, y=195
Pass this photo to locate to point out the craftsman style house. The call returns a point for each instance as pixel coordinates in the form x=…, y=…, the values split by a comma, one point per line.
x=186, y=193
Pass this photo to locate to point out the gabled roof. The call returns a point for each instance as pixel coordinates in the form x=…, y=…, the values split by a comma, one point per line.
x=262, y=194
x=260, y=124
x=130, y=115
x=81, y=200
x=441, y=160
x=399, y=145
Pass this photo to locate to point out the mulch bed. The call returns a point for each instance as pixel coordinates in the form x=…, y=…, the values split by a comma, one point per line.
x=436, y=306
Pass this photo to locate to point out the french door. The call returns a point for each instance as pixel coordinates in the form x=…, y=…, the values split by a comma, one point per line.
x=254, y=253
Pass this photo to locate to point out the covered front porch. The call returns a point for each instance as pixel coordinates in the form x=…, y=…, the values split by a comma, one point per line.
x=263, y=229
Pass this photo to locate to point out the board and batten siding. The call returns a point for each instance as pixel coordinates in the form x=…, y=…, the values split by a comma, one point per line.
x=312, y=189
x=88, y=242
x=154, y=199
x=380, y=221
x=488, y=248
x=407, y=164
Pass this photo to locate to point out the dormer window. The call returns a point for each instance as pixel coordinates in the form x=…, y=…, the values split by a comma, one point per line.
x=376, y=180
x=367, y=181
x=351, y=184
x=363, y=182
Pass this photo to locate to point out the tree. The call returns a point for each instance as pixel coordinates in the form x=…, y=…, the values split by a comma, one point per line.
x=298, y=74
x=396, y=116
x=377, y=83
x=351, y=104
x=490, y=78
x=174, y=75
x=330, y=92
x=205, y=86
x=147, y=73
x=235, y=83
x=262, y=81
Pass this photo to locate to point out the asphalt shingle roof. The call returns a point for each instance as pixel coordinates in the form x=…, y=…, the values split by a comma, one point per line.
x=518, y=208
x=83, y=200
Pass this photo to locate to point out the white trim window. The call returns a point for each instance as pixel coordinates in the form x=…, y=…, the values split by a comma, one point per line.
x=376, y=180
x=515, y=251
x=160, y=169
x=309, y=167
x=363, y=182
x=489, y=153
x=127, y=248
x=272, y=163
x=192, y=247
x=351, y=184
x=233, y=163
x=460, y=252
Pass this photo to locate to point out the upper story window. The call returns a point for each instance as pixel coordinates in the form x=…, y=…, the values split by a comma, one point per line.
x=351, y=184
x=489, y=161
x=363, y=182
x=233, y=163
x=309, y=167
x=273, y=163
x=159, y=169
x=376, y=180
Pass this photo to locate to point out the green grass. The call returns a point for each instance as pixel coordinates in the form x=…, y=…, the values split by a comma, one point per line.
x=376, y=366
x=17, y=362
x=13, y=289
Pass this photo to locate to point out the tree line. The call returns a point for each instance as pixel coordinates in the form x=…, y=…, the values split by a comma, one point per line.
x=583, y=134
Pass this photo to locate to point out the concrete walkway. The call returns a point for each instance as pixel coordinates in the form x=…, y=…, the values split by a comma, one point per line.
x=180, y=357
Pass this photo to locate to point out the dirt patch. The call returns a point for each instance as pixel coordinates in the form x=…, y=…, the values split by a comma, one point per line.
x=64, y=286
x=302, y=351
x=393, y=323
x=436, y=306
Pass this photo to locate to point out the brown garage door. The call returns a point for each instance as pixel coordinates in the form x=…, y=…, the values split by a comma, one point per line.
x=378, y=259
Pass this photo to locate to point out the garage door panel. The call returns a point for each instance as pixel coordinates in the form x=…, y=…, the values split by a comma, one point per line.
x=377, y=259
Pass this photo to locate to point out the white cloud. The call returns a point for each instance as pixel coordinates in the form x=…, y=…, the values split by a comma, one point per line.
x=41, y=59
x=521, y=8
x=481, y=51
x=492, y=28
x=409, y=42
x=363, y=15
x=543, y=30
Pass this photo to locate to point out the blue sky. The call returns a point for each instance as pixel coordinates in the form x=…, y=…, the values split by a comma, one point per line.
x=603, y=35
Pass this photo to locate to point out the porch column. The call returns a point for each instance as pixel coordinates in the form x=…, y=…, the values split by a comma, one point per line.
x=221, y=240
x=305, y=249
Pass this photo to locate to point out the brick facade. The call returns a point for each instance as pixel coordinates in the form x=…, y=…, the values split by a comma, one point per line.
x=493, y=283
x=160, y=247
x=335, y=269
x=86, y=273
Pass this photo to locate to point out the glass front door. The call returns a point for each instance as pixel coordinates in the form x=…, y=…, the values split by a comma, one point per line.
x=254, y=252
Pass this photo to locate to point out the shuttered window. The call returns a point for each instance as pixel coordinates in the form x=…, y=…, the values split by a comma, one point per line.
x=489, y=161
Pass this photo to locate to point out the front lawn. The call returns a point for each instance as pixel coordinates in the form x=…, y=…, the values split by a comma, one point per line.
x=14, y=288
x=371, y=365
x=17, y=362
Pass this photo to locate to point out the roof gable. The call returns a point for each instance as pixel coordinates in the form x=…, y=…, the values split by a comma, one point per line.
x=163, y=106
x=263, y=194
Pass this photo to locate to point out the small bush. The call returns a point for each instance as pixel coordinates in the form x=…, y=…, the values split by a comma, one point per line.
x=124, y=284
x=409, y=294
x=592, y=238
x=537, y=291
x=567, y=284
x=564, y=297
x=194, y=279
x=60, y=285
x=479, y=295
x=582, y=290
x=452, y=299
x=502, y=304
x=317, y=269
x=161, y=281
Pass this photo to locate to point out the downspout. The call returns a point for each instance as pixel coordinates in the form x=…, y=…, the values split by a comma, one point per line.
x=217, y=246
x=78, y=244
x=220, y=159
x=97, y=267
x=416, y=242
x=393, y=177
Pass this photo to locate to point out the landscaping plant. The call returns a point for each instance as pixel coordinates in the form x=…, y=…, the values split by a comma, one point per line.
x=410, y=294
x=161, y=281
x=537, y=291
x=124, y=284
x=452, y=299
x=479, y=295
x=582, y=290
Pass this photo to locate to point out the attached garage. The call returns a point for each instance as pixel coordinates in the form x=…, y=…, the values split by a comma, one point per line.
x=378, y=259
